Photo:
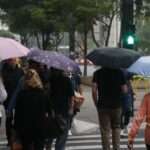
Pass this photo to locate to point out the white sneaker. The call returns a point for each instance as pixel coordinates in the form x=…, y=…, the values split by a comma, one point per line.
x=124, y=133
x=125, y=130
x=69, y=132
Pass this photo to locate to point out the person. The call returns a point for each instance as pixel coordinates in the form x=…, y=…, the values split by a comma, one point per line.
x=11, y=74
x=3, y=93
x=3, y=96
x=127, y=105
x=30, y=111
x=41, y=69
x=143, y=114
x=107, y=87
x=76, y=83
x=43, y=73
x=61, y=96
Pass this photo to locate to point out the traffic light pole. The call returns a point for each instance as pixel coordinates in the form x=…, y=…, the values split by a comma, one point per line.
x=127, y=24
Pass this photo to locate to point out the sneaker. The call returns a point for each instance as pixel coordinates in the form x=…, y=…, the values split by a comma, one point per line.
x=125, y=130
x=69, y=132
x=124, y=133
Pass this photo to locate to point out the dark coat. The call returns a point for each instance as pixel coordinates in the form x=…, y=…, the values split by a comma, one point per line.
x=11, y=77
x=31, y=107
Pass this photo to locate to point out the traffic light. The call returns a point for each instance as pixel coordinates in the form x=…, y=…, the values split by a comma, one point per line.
x=129, y=38
x=127, y=24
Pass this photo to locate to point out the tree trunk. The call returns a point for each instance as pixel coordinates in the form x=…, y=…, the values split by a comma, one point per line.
x=93, y=37
x=24, y=39
x=71, y=25
x=109, y=30
x=72, y=40
x=38, y=40
x=85, y=49
x=45, y=40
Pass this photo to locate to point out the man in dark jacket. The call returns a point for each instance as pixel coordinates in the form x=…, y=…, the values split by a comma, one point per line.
x=108, y=85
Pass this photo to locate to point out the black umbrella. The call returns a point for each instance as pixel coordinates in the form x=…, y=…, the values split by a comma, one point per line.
x=113, y=57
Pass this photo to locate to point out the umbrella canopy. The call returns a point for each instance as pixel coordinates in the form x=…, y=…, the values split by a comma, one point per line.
x=54, y=59
x=10, y=48
x=141, y=66
x=113, y=57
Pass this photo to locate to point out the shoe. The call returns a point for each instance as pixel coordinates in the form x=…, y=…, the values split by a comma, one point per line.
x=125, y=130
x=69, y=132
x=124, y=133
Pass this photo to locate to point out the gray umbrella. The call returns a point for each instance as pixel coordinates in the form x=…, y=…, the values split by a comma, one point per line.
x=113, y=57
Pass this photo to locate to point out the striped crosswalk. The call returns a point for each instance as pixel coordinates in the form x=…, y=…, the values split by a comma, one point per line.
x=91, y=142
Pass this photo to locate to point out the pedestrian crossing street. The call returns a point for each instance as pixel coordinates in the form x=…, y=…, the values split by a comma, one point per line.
x=91, y=142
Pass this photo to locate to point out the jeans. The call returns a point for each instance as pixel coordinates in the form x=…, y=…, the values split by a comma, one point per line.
x=60, y=140
x=109, y=120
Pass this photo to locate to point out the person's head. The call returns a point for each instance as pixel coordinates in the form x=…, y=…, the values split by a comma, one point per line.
x=56, y=73
x=13, y=62
x=32, y=79
x=34, y=65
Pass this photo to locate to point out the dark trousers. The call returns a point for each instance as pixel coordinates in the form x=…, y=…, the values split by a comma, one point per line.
x=147, y=147
x=60, y=140
x=31, y=142
x=125, y=119
x=9, y=127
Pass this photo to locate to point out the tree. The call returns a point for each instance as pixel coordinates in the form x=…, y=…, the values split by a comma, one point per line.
x=30, y=18
x=109, y=9
x=142, y=20
x=8, y=34
x=143, y=34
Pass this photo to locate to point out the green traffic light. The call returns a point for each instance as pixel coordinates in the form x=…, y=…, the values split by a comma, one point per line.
x=130, y=40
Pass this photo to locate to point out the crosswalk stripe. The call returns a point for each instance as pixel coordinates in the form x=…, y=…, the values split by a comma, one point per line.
x=94, y=147
x=92, y=142
x=3, y=142
x=99, y=141
x=73, y=137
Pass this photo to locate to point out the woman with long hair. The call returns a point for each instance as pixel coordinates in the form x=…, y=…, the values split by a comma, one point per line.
x=30, y=112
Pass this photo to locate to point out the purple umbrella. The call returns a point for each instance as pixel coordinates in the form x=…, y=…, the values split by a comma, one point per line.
x=54, y=59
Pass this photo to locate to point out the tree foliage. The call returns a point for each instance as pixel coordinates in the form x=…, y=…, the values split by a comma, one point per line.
x=7, y=34
x=143, y=35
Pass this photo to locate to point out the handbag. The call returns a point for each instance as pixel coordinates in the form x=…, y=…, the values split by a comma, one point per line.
x=55, y=125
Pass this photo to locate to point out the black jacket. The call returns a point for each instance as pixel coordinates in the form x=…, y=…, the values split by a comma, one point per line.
x=31, y=107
